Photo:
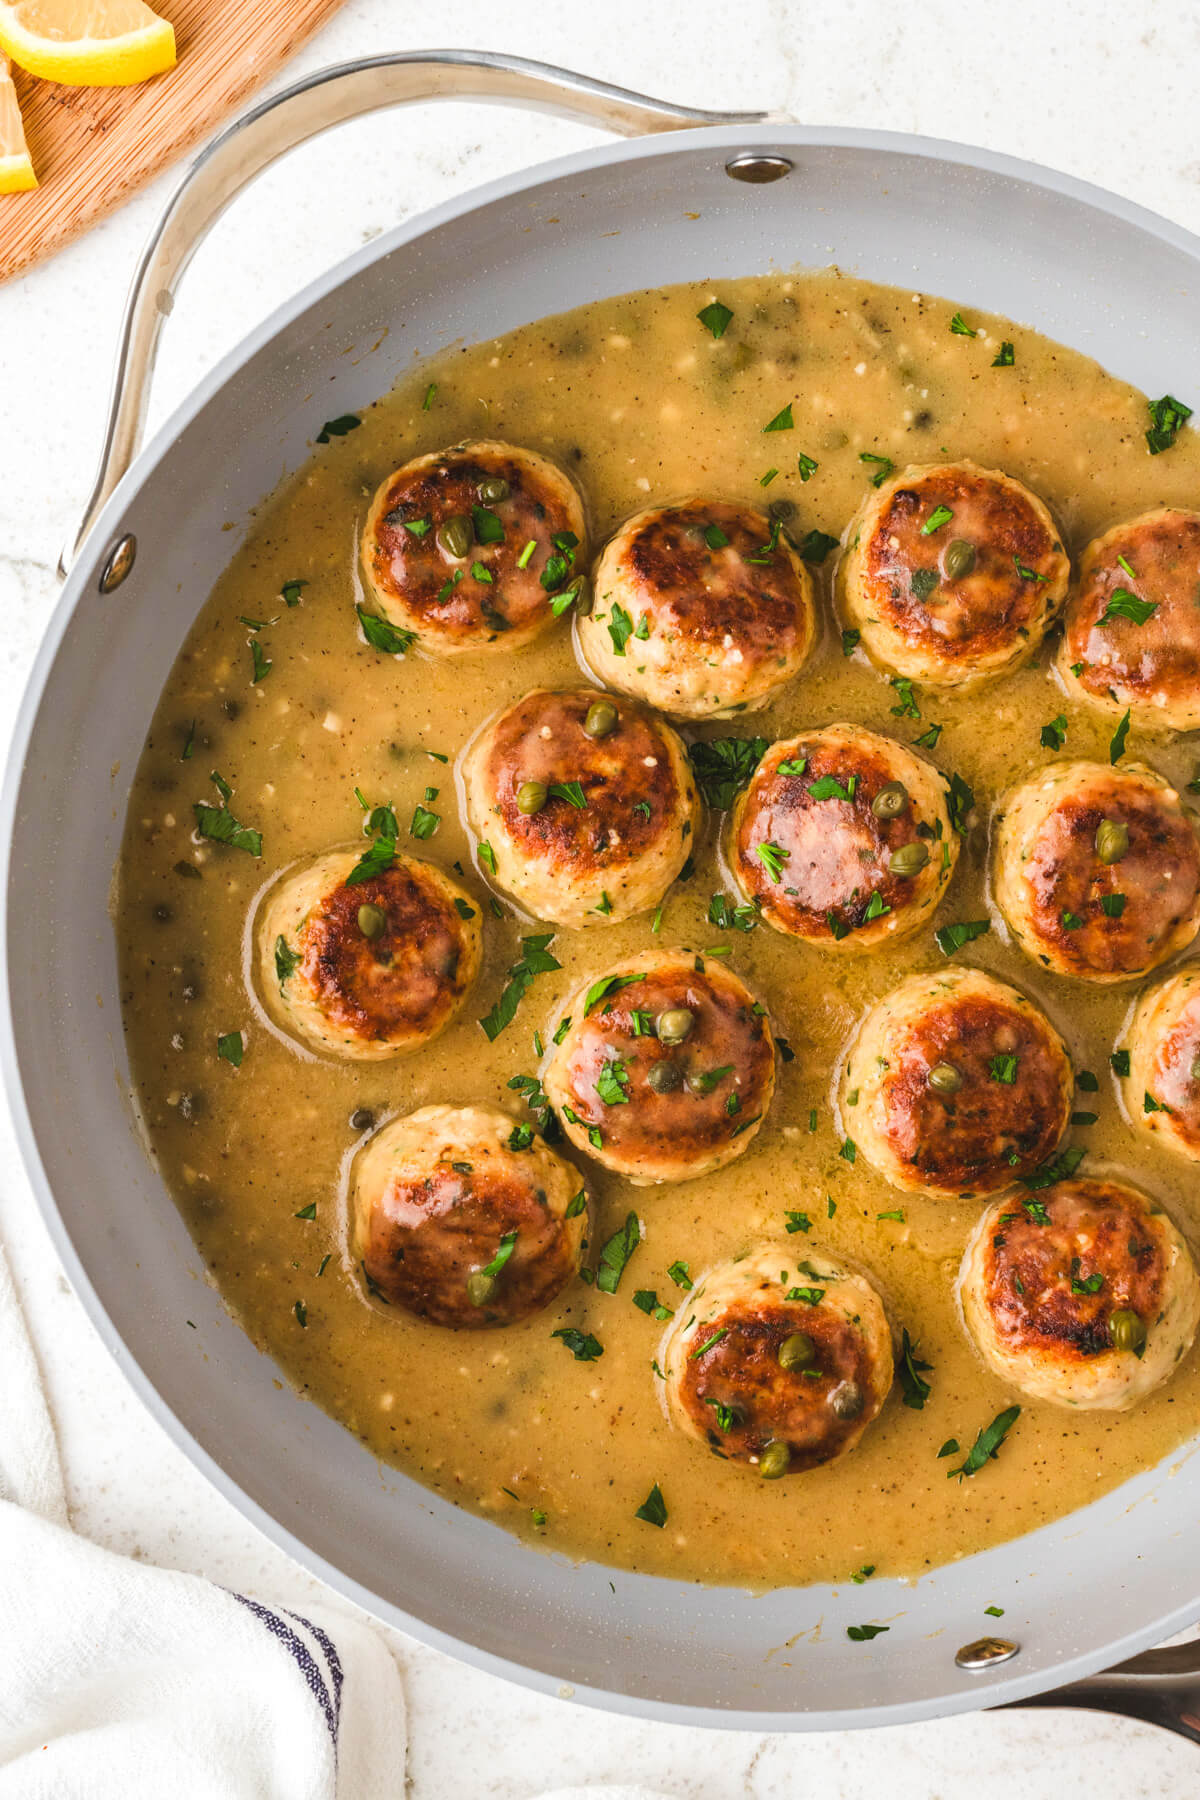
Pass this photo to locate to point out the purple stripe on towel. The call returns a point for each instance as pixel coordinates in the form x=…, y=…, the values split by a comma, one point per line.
x=302, y=1657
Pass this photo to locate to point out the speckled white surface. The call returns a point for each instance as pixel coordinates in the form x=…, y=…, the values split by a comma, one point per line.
x=1105, y=91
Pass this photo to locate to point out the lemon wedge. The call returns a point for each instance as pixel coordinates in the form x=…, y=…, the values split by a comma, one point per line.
x=16, y=170
x=87, y=43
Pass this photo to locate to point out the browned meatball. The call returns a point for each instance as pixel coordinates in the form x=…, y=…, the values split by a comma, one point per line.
x=666, y=1067
x=584, y=805
x=1132, y=636
x=951, y=573
x=956, y=1085
x=1162, y=1088
x=702, y=608
x=1097, y=870
x=471, y=548
x=367, y=969
x=843, y=838
x=776, y=1365
x=453, y=1223
x=1084, y=1294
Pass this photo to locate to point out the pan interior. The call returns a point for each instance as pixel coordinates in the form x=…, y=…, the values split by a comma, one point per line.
x=662, y=1645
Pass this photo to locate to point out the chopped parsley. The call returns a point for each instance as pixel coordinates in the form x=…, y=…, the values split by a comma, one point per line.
x=928, y=738
x=987, y=1444
x=828, y=787
x=732, y=918
x=815, y=546
x=218, y=823
x=680, y=1274
x=612, y=1083
x=1058, y=1168
x=489, y=526
x=806, y=466
x=582, y=1345
x=1166, y=418
x=850, y=642
x=382, y=635
x=607, y=984
x=715, y=318
x=907, y=708
x=535, y=959
x=960, y=328
x=960, y=801
x=1112, y=905
x=1120, y=1062
x=616, y=1253
x=345, y=422
x=862, y=1634
x=1124, y=605
x=884, y=466
x=952, y=937
x=290, y=592
x=941, y=515
x=714, y=537
x=647, y=1301
x=772, y=859
x=1005, y=357
x=287, y=960
x=1116, y=748
x=231, y=1047
x=620, y=629
x=723, y=766
x=796, y=1221
x=653, y=1508
x=424, y=822
x=782, y=421
x=1054, y=735
x=923, y=582
x=375, y=861
x=1004, y=1069
x=912, y=1373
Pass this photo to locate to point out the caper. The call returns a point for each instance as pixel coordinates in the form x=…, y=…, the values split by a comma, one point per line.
x=774, y=1461
x=665, y=1077
x=945, y=1078
x=455, y=537
x=959, y=559
x=362, y=1119
x=372, y=921
x=909, y=859
x=890, y=801
x=480, y=1287
x=781, y=509
x=796, y=1351
x=674, y=1025
x=493, y=490
x=847, y=1400
x=1112, y=840
x=1127, y=1331
x=532, y=796
x=601, y=719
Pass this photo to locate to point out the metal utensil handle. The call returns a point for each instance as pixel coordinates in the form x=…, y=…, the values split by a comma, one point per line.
x=291, y=117
x=1160, y=1687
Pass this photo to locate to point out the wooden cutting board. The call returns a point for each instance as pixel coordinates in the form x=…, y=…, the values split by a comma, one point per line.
x=94, y=147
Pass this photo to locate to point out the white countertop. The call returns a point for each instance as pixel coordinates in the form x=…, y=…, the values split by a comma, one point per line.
x=1106, y=92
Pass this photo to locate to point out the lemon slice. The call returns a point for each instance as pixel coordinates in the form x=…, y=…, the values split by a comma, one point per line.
x=87, y=43
x=16, y=170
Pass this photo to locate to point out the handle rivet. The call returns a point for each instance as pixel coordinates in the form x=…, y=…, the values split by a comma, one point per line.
x=121, y=559
x=757, y=167
x=985, y=1653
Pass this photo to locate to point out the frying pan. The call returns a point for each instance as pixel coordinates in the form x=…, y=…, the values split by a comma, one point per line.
x=1073, y=262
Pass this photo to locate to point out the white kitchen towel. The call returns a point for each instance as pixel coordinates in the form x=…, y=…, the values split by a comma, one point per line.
x=119, y=1679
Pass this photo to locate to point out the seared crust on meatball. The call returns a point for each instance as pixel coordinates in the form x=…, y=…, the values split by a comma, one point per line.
x=951, y=573
x=488, y=590
x=669, y=1071
x=701, y=608
x=372, y=968
x=726, y=1385
x=593, y=863
x=1132, y=634
x=957, y=1085
x=1097, y=870
x=843, y=838
x=1084, y=1294
x=1162, y=1089
x=452, y=1223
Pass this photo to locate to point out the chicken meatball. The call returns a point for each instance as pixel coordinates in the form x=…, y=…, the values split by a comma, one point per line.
x=367, y=968
x=701, y=609
x=474, y=548
x=951, y=574
x=584, y=806
x=843, y=838
x=1084, y=1294
x=778, y=1366
x=665, y=1069
x=1162, y=1088
x=453, y=1223
x=1097, y=870
x=1132, y=635
x=956, y=1085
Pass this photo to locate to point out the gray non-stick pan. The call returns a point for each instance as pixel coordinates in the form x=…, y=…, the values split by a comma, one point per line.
x=1080, y=265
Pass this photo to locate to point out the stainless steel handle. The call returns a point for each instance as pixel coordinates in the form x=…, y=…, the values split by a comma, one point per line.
x=291, y=117
x=1161, y=1687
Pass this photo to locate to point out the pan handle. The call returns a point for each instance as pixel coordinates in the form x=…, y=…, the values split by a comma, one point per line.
x=254, y=141
x=1160, y=1687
